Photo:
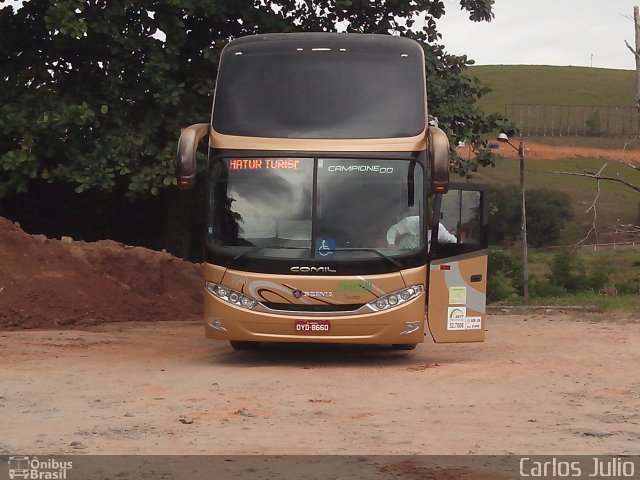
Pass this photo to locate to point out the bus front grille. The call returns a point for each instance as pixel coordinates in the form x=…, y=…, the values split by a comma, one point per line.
x=293, y=307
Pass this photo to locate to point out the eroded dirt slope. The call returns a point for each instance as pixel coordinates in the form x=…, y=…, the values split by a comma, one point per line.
x=52, y=283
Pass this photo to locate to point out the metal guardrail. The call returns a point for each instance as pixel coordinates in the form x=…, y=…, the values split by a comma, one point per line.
x=594, y=246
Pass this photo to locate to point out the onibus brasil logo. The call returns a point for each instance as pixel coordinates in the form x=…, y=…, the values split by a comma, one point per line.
x=34, y=469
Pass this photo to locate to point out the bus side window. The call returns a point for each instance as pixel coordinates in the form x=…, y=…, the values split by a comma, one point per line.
x=461, y=213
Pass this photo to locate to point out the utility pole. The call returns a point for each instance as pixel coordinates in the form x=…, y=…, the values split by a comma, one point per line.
x=636, y=54
x=502, y=137
x=525, y=246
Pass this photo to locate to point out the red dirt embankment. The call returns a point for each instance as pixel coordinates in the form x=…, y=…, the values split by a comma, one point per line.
x=48, y=283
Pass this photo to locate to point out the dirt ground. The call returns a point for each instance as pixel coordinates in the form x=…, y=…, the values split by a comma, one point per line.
x=541, y=384
x=102, y=352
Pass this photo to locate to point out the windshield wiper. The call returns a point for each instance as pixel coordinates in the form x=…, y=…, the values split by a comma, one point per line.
x=354, y=249
x=272, y=247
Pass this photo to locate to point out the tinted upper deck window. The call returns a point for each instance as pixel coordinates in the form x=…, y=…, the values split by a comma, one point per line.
x=322, y=86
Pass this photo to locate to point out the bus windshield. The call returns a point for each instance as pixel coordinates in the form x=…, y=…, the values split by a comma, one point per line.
x=333, y=209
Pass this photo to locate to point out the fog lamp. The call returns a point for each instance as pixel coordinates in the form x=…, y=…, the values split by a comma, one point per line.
x=216, y=324
x=410, y=327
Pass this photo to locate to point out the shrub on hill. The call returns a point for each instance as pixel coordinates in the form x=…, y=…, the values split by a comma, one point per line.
x=505, y=276
x=569, y=274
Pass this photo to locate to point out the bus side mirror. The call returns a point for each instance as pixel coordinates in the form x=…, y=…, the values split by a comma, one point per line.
x=438, y=150
x=186, y=157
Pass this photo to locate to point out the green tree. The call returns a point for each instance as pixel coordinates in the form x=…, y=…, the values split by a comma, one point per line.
x=95, y=92
x=504, y=219
x=548, y=211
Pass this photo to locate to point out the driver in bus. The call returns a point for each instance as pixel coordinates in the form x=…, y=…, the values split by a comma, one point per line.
x=406, y=233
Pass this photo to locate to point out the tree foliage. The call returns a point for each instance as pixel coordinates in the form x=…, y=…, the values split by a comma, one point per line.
x=95, y=92
x=548, y=211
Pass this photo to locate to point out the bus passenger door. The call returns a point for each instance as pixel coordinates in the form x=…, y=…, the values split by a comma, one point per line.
x=458, y=270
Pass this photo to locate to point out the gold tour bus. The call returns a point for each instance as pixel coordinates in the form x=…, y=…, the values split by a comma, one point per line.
x=323, y=178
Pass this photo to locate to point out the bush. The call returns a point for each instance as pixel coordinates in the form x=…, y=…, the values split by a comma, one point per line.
x=505, y=276
x=544, y=288
x=596, y=281
x=593, y=124
x=630, y=287
x=569, y=274
x=499, y=287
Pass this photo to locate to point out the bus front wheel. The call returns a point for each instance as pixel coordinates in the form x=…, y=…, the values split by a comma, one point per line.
x=238, y=345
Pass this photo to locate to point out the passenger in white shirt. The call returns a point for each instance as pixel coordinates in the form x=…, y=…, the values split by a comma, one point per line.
x=406, y=233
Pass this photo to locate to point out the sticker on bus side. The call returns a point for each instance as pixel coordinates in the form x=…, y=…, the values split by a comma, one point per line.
x=456, y=318
x=457, y=295
x=473, y=323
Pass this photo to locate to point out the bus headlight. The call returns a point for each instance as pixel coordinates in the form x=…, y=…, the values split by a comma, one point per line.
x=229, y=295
x=396, y=298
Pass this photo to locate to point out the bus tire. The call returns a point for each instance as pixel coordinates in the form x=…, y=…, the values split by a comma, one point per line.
x=404, y=346
x=240, y=345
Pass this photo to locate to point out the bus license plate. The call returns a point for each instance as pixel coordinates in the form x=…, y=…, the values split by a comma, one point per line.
x=312, y=326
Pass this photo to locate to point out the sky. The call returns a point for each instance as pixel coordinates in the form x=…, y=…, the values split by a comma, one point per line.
x=544, y=32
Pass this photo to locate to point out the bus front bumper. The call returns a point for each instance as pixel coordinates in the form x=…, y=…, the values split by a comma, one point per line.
x=401, y=325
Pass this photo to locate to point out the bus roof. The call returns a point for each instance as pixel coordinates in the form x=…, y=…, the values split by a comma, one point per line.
x=321, y=85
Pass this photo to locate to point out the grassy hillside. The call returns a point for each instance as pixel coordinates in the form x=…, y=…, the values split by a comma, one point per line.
x=551, y=85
